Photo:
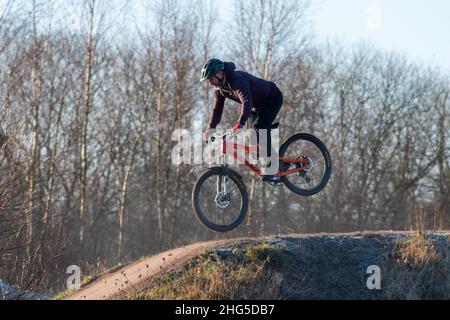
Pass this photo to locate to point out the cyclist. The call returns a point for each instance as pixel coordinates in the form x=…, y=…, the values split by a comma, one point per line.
x=260, y=99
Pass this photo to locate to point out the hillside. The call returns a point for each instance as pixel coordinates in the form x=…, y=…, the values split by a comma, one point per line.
x=411, y=265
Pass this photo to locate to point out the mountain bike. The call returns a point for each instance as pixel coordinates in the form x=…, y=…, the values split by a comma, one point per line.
x=220, y=198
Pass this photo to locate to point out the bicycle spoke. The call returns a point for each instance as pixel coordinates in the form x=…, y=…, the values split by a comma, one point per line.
x=219, y=207
x=312, y=158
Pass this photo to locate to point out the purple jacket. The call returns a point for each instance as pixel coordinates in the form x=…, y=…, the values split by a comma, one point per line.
x=244, y=88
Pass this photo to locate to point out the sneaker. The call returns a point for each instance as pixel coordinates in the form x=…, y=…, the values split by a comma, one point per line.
x=271, y=179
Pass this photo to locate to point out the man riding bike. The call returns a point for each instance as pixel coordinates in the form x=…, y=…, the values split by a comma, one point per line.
x=260, y=99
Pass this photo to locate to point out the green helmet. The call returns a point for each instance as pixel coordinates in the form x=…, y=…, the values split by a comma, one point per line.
x=211, y=68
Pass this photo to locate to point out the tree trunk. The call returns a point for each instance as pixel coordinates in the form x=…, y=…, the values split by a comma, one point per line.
x=128, y=170
x=85, y=123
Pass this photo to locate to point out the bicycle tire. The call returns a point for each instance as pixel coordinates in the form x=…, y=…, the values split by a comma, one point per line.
x=325, y=154
x=202, y=217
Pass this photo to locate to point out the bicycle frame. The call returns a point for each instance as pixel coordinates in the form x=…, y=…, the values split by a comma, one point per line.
x=232, y=149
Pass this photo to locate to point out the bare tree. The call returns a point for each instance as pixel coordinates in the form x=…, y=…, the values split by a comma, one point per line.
x=265, y=34
x=129, y=166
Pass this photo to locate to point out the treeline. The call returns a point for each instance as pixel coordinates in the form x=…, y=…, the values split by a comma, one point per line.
x=88, y=106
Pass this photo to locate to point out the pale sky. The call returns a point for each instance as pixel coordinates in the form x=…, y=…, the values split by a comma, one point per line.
x=418, y=28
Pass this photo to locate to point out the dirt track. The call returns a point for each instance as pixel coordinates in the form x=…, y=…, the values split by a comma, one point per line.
x=335, y=264
x=126, y=278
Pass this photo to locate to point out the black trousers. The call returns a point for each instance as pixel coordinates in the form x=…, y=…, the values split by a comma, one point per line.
x=264, y=117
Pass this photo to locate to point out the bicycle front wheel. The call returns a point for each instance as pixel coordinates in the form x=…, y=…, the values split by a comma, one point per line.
x=220, y=199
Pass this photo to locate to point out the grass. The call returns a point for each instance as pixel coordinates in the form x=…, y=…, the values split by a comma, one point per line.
x=417, y=271
x=61, y=294
x=84, y=282
x=411, y=269
x=251, y=276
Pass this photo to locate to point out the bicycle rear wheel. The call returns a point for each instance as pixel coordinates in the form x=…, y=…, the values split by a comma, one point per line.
x=219, y=199
x=315, y=165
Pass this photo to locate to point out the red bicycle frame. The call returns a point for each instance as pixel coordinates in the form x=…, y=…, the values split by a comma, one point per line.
x=233, y=151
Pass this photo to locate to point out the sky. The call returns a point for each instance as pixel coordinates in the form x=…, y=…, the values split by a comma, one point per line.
x=418, y=28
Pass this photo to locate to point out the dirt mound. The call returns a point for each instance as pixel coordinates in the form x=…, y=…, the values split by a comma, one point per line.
x=368, y=265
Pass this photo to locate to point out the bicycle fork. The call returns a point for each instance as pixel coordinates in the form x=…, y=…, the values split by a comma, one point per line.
x=222, y=195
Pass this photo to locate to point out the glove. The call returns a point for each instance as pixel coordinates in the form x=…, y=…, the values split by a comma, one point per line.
x=236, y=127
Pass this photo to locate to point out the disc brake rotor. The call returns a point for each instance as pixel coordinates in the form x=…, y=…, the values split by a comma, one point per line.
x=305, y=169
x=222, y=200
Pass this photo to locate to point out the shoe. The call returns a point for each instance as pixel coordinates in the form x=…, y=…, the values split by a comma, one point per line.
x=271, y=179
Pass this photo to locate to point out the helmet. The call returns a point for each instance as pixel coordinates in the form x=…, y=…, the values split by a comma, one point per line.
x=211, y=68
